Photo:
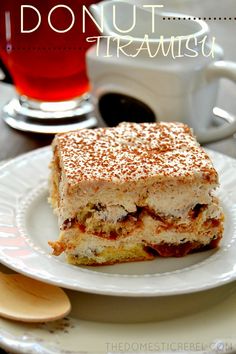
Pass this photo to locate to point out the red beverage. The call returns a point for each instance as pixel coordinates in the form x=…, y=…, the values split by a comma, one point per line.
x=46, y=65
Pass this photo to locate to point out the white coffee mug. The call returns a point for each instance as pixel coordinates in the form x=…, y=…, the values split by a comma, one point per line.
x=182, y=89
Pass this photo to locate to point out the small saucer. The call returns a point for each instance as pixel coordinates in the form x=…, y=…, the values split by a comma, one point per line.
x=35, y=119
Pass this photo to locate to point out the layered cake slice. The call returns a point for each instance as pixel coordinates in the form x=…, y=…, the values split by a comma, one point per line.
x=132, y=193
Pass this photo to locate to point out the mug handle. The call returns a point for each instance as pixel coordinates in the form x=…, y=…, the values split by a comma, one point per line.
x=217, y=70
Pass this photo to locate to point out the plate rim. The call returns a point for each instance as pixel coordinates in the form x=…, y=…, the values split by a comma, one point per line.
x=112, y=292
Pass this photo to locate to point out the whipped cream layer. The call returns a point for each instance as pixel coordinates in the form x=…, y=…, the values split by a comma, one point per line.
x=160, y=166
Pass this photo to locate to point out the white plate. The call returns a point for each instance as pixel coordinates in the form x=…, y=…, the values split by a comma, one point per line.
x=193, y=323
x=27, y=223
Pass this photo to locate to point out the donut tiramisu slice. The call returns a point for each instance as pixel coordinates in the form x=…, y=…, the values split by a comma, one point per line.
x=132, y=193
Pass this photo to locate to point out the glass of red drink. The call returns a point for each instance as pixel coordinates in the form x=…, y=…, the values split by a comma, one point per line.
x=43, y=46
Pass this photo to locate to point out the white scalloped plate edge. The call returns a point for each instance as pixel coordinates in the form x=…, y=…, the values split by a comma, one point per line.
x=20, y=254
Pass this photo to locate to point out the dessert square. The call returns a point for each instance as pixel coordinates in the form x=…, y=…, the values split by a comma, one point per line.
x=132, y=193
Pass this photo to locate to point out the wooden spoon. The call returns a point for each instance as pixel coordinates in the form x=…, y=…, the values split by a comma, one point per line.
x=29, y=300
